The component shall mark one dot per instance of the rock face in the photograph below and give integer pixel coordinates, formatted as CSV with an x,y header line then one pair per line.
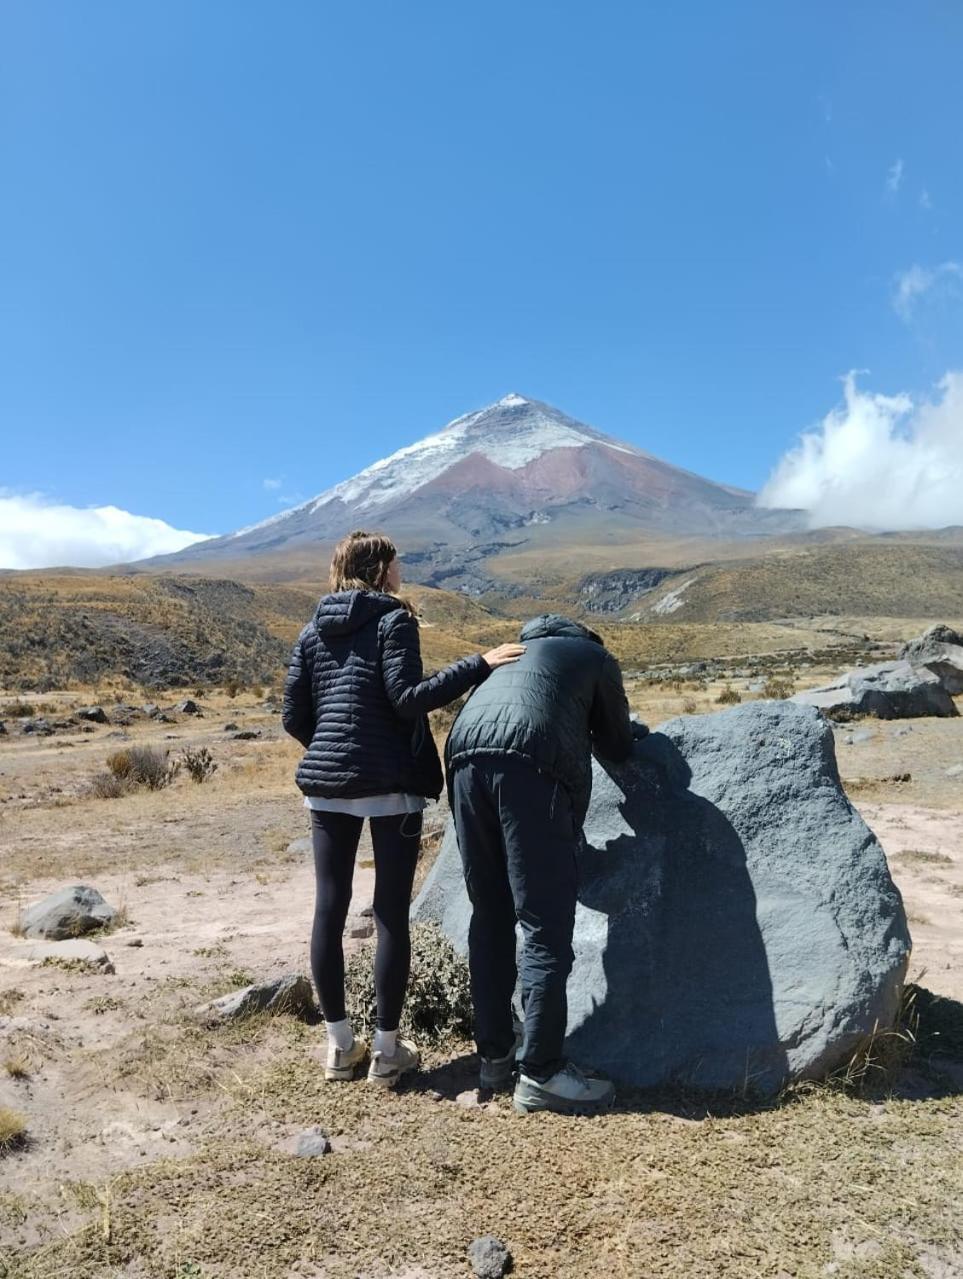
x,y
892,690
291,993
737,925
71,912
940,650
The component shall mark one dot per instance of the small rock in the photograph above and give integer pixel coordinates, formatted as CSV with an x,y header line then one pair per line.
x,y
188,707
955,771
93,714
360,928
903,731
489,1258
38,727
311,1143
83,953
71,912
291,993
248,735
136,941
302,845
150,709
862,735
230,728
164,717
468,1101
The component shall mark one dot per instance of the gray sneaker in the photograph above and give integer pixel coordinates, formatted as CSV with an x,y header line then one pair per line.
x,y
385,1071
496,1074
568,1092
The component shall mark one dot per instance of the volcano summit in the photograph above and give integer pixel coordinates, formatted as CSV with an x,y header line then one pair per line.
x,y
519,471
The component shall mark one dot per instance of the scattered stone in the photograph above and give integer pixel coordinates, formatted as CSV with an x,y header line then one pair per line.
x,y
248,735
291,993
904,730
188,707
737,925
93,714
955,771
70,912
38,727
360,928
81,953
230,728
489,1258
136,942
164,717
3,729
311,1143
302,845
892,690
151,710
940,651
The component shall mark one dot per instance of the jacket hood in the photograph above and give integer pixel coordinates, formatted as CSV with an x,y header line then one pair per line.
x,y
552,624
347,611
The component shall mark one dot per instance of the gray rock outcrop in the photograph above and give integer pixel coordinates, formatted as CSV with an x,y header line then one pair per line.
x,y
291,993
891,690
70,912
93,714
940,650
737,925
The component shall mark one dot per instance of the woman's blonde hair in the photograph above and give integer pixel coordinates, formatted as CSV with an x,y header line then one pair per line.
x,y
361,561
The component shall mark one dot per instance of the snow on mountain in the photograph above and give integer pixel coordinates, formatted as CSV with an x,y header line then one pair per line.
x,y
511,433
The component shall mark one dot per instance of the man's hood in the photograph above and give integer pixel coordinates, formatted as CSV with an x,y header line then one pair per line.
x,y
347,611
552,624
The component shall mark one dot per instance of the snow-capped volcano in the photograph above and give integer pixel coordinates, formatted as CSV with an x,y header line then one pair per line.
x,y
511,433
497,477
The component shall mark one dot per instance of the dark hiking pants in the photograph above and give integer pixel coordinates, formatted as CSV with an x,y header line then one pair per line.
x,y
518,843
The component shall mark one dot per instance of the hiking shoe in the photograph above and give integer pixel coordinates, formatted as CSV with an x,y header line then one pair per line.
x,y
569,1092
341,1063
497,1073
386,1071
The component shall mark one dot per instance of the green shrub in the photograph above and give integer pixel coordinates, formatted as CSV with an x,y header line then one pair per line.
x,y
438,1003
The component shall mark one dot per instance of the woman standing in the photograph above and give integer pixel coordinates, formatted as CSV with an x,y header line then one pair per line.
x,y
357,700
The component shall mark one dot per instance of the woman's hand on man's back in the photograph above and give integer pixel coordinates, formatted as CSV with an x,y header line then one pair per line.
x,y
504,655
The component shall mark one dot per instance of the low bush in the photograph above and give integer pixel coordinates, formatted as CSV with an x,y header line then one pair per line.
x,y
13,1130
142,766
438,1003
200,764
729,696
778,688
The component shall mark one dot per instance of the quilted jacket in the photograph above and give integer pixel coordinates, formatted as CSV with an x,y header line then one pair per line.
x,y
561,701
357,700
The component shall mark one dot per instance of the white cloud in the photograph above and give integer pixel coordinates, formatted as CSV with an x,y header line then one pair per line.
x,y
879,462
272,485
911,285
36,532
894,177
925,201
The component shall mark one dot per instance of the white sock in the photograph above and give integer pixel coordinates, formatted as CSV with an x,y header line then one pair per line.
x,y
340,1034
385,1041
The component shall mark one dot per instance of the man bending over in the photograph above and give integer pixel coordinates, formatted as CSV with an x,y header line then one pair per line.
x,y
519,780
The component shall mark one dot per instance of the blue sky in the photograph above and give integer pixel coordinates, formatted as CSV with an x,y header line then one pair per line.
x,y
243,242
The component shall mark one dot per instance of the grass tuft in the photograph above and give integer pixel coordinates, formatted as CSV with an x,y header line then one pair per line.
x,y
13,1130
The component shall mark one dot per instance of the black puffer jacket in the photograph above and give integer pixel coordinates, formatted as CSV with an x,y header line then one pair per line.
x,y
356,699
561,701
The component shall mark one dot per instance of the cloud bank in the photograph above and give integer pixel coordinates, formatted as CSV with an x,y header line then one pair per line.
x,y
878,462
36,532
911,285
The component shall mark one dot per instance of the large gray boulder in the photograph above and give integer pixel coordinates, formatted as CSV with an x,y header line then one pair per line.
x,y
70,912
891,690
940,650
737,925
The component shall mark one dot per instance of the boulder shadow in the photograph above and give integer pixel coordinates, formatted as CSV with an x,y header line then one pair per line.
x,y
687,996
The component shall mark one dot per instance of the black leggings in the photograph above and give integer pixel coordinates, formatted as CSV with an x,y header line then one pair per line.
x,y
396,842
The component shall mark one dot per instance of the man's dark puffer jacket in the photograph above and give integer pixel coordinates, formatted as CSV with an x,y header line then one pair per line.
x,y
560,702
356,699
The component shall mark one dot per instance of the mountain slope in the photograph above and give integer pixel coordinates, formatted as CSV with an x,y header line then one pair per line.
x,y
516,473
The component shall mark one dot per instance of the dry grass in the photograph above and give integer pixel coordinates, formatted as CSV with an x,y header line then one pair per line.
x,y
16,1066
920,857
13,1130
10,1000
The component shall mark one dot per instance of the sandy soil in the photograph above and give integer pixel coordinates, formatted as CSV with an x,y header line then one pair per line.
x,y
216,886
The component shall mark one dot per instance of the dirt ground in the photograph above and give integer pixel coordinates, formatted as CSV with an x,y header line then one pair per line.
x,y
157,1146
